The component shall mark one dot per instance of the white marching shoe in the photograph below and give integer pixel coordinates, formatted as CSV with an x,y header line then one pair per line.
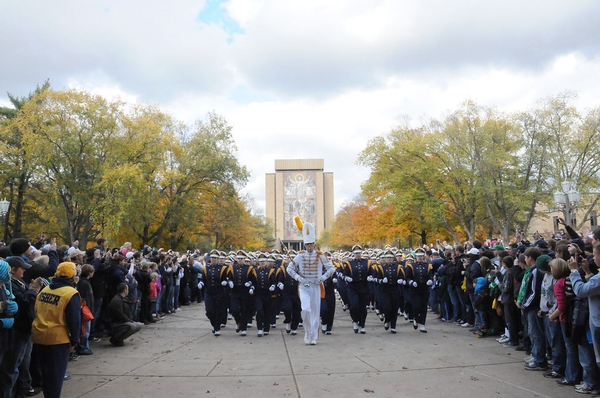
x,y
422,329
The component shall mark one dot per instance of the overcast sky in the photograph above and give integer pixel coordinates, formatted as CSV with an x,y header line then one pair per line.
x,y
306,79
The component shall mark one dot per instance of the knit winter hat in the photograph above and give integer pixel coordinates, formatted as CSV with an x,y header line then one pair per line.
x,y
4,272
19,246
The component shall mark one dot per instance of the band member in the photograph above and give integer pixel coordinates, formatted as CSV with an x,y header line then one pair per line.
x,y
307,268
389,276
406,306
419,276
328,302
356,274
213,278
291,301
242,278
265,286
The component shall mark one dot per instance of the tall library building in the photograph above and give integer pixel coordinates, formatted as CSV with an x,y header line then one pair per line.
x,y
299,187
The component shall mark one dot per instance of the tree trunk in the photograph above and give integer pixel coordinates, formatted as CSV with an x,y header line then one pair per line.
x,y
20,204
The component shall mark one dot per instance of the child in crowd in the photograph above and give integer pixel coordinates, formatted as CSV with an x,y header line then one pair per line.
x,y
153,293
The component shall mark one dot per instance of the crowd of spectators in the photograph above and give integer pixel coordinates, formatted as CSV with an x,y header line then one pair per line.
x,y
540,297
119,291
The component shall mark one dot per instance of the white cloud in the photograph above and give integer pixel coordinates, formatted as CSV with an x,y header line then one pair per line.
x,y
307,79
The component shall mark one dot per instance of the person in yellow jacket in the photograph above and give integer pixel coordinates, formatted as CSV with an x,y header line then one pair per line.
x,y
56,327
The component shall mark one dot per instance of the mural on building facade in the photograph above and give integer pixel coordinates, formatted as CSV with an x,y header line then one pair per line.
x,y
299,200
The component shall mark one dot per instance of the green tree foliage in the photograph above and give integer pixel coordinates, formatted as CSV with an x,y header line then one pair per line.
x,y
480,171
111,169
15,170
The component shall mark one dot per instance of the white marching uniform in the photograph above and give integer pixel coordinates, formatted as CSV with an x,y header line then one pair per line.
x,y
307,269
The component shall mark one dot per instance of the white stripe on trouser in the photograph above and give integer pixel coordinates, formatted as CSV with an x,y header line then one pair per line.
x,y
310,299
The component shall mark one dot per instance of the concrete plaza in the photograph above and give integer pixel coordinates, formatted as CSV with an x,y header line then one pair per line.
x,y
179,357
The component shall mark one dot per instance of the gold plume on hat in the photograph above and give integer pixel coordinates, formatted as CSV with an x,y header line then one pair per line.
x,y
298,222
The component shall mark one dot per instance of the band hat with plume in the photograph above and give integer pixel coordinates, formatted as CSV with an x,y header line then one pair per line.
x,y
308,230
357,249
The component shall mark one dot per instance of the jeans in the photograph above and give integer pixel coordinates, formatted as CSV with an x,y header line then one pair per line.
x,y
469,310
456,304
481,319
536,334
158,302
526,339
572,368
135,310
97,310
84,342
555,338
587,359
434,298
170,295
176,296
445,310
9,371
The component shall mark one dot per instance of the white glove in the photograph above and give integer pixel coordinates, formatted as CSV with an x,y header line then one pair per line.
x,y
224,283
384,280
231,284
400,282
404,282
280,286
429,282
348,279
370,278
248,284
272,288
414,284
251,291
200,285
301,280
334,280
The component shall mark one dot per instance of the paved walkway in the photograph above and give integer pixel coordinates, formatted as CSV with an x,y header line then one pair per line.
x,y
179,357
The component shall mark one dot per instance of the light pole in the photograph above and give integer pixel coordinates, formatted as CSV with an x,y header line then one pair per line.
x,y
567,200
4,205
